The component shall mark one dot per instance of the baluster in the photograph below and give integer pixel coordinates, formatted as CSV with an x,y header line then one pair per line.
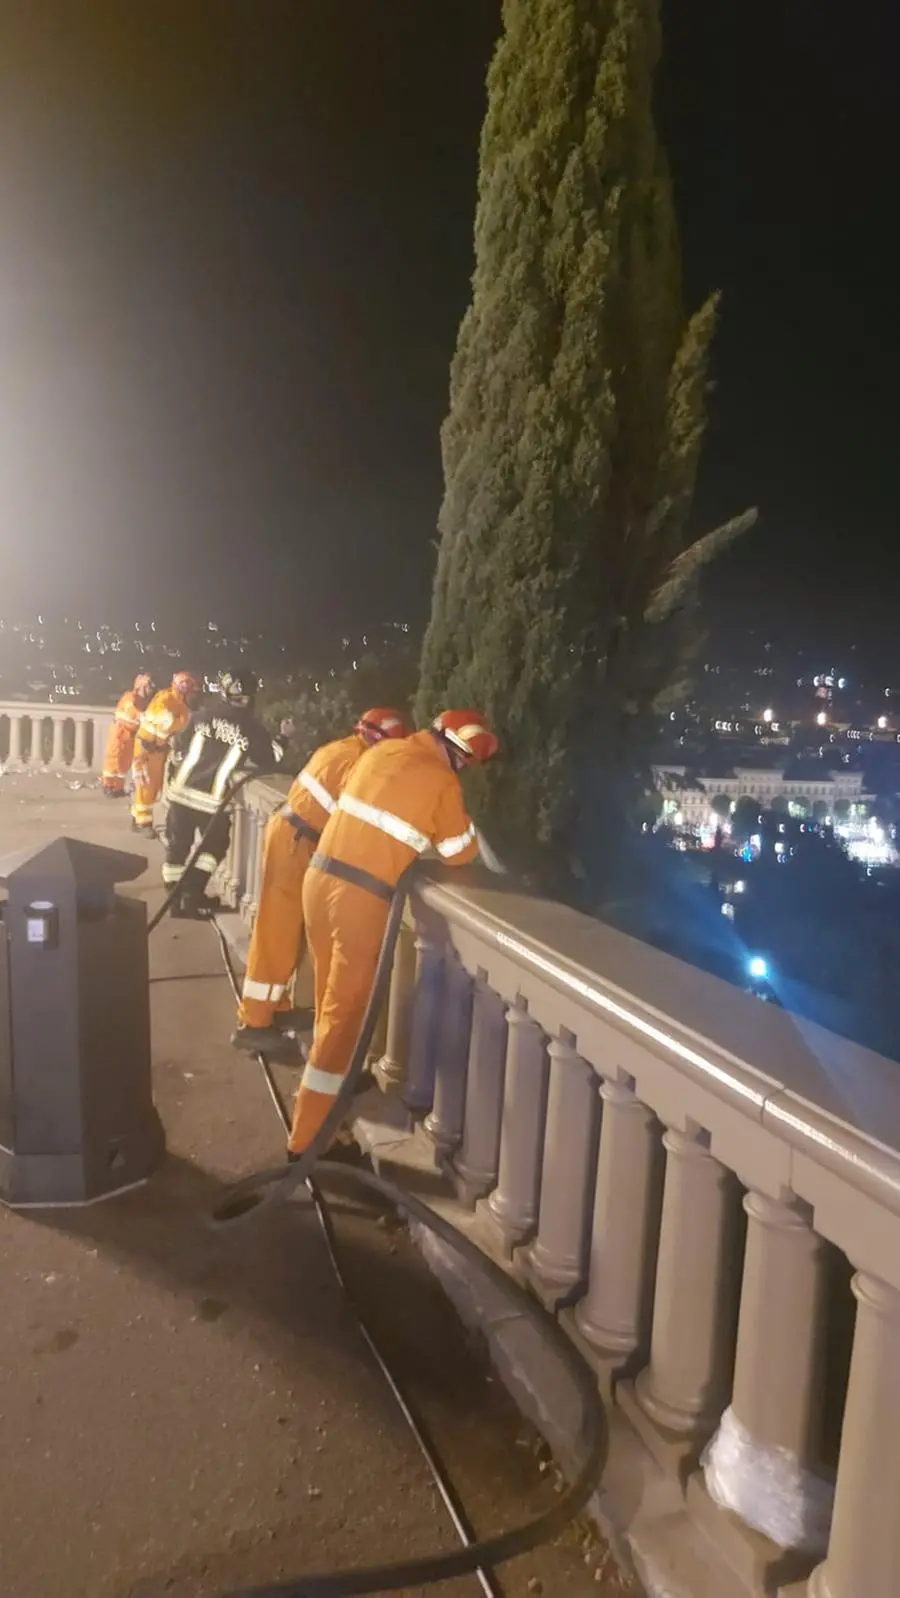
x,y
475,1167
36,752
445,1123
100,729
512,1209
612,1317
390,1070
418,1090
58,755
685,1386
227,868
237,852
80,763
253,862
14,760
762,1460
863,1559
557,1257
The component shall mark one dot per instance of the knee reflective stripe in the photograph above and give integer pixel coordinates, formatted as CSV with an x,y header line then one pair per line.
x,y
268,992
172,874
207,863
325,1082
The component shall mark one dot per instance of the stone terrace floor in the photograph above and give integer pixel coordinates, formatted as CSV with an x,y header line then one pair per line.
x,y
185,1413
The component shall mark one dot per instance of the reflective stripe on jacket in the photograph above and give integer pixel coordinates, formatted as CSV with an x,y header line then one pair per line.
x,y
315,793
126,712
165,716
400,800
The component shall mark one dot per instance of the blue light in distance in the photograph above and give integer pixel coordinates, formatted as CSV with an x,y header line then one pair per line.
x,y
758,967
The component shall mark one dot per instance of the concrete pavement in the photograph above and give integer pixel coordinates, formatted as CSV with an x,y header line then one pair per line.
x,y
185,1412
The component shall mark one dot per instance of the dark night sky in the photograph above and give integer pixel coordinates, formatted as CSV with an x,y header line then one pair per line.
x,y
235,243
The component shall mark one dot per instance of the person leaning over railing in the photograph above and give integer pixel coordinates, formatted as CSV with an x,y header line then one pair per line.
x,y
265,1012
402,799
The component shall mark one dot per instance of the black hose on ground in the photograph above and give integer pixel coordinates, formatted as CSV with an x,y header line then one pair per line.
x,y
256,1193
506,1545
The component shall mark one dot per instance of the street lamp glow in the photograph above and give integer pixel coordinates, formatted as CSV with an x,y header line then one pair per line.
x,y
822,719
768,714
882,723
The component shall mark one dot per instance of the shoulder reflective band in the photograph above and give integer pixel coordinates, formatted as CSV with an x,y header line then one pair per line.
x,y
449,847
317,789
223,775
385,821
189,762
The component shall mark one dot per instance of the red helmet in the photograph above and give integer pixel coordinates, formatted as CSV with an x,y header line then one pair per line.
x,y
187,684
382,722
143,685
468,732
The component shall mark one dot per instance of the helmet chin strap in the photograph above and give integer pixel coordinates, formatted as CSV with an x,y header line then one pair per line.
x,y
456,758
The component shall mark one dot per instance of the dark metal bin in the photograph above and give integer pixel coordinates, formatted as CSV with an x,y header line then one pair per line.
x,y
77,1118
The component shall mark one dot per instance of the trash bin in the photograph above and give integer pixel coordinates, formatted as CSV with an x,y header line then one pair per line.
x,y
77,1118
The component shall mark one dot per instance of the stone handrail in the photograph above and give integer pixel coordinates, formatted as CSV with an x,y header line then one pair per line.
x,y
74,740
704,1187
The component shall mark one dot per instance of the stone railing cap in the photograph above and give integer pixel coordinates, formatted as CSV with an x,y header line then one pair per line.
x,y
782,1053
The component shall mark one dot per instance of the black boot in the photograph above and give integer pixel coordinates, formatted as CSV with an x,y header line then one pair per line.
x,y
266,1040
299,1020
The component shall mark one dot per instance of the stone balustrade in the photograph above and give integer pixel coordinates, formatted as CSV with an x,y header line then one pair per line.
x,y
53,737
691,1179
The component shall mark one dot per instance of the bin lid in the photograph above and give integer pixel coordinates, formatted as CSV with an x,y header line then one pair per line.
x,y
71,862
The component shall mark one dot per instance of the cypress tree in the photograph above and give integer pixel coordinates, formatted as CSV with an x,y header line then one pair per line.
x,y
565,570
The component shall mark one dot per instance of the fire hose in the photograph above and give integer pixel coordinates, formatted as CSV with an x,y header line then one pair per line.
x,y
250,1197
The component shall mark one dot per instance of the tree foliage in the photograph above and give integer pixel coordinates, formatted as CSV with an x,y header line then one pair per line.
x,y
328,709
566,573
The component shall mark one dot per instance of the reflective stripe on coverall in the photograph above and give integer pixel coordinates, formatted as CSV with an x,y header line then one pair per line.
x,y
276,944
401,799
166,715
120,744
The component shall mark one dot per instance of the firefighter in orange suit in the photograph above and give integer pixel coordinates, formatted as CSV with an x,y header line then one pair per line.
x,y
120,743
292,834
400,800
167,714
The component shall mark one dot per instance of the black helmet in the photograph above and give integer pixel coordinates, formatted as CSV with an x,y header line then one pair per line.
x,y
238,687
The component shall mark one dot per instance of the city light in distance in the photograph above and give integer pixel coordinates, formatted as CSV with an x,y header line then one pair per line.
x,y
768,714
758,967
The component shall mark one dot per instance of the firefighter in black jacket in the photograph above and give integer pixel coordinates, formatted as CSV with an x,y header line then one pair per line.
x,y
222,741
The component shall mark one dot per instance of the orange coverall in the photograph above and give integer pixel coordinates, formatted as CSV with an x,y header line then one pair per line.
x,y
401,799
120,744
166,715
291,836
